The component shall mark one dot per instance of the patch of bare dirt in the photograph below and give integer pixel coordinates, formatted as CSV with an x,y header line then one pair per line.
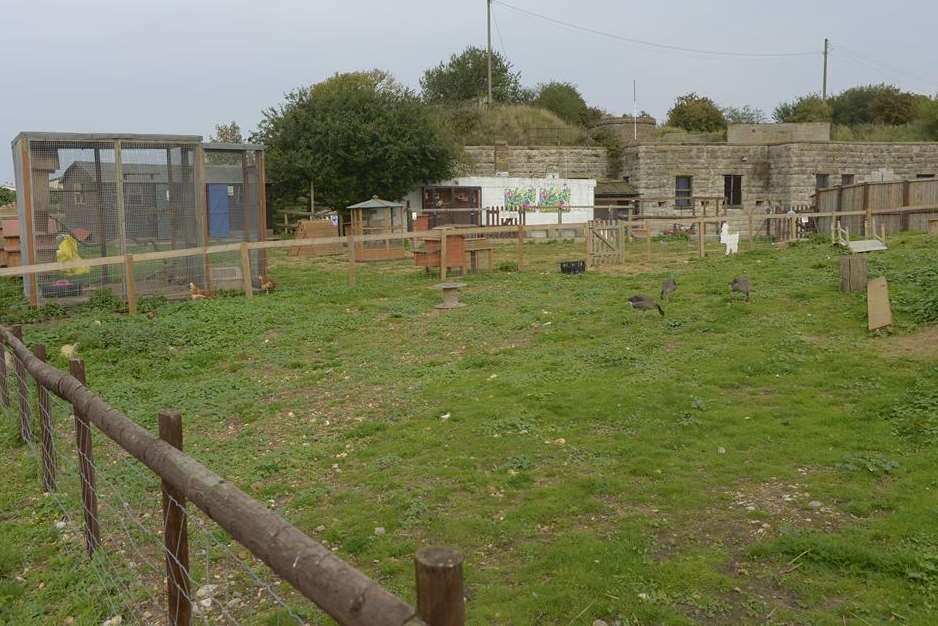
x,y
923,344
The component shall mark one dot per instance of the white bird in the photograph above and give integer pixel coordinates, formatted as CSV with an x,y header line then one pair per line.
x,y
69,351
730,241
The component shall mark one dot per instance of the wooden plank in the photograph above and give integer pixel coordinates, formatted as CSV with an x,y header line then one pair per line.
x,y
700,238
347,595
89,493
201,211
175,532
119,198
4,377
444,261
131,284
246,277
30,234
877,299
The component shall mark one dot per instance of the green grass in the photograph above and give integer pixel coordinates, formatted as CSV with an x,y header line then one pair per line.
x,y
594,463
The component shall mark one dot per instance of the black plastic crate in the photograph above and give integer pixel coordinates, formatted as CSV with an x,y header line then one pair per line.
x,y
572,267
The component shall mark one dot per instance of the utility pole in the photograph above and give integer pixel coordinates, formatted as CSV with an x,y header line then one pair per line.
x,y
824,84
634,110
488,17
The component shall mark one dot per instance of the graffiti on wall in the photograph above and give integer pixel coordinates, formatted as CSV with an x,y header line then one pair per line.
x,y
543,198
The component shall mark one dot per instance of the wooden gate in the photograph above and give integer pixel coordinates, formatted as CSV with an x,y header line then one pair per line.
x,y
605,242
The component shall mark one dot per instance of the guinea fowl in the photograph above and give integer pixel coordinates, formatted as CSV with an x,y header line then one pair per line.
x,y
668,287
741,285
644,303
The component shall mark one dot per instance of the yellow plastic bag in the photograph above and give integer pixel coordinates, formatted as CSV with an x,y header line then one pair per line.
x,y
68,251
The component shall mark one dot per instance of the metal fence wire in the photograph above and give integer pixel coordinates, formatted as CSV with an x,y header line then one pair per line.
x,y
223,582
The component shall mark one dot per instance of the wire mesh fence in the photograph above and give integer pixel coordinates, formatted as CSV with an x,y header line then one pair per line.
x,y
111,518
92,196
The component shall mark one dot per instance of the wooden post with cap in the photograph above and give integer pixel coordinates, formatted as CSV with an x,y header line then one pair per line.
x,y
89,493
440,596
47,448
175,531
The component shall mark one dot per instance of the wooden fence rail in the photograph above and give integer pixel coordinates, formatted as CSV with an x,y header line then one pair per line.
x,y
343,592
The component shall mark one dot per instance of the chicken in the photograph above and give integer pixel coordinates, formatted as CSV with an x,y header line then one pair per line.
x,y
196,293
69,351
741,284
668,287
644,303
267,283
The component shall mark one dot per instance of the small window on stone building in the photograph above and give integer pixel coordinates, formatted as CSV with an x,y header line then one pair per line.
x,y
822,181
683,191
626,179
924,176
733,190
847,179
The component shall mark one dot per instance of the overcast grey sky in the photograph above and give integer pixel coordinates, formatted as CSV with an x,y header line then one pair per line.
x,y
180,66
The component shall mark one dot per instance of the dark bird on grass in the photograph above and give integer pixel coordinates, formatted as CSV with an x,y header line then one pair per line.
x,y
741,284
644,303
668,287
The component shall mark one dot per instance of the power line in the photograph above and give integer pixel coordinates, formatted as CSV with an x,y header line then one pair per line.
x,y
498,31
652,44
884,66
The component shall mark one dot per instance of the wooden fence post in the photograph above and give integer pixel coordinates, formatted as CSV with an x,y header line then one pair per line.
x,y
588,232
23,391
648,241
175,532
868,208
520,246
131,284
700,238
443,261
47,447
352,278
4,380
89,494
246,278
749,217
621,241
440,600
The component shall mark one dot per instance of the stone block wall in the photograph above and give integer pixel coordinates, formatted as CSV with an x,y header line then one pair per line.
x,y
794,166
538,161
652,169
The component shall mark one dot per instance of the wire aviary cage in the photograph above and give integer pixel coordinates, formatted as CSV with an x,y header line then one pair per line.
x,y
84,196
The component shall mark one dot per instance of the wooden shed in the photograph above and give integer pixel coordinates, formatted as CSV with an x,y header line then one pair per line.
x,y
375,217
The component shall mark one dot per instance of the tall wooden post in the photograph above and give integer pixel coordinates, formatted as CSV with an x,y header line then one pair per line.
x,y
648,242
868,207
201,211
26,433
89,494
792,228
246,277
47,448
352,269
749,218
588,231
131,284
443,259
440,599
27,232
4,376
620,232
175,531
520,247
628,217
700,238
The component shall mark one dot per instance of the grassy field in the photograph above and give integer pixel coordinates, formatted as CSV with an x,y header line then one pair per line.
x,y
728,463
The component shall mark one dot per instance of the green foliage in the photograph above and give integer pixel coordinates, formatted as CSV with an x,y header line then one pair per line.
x,y
811,108
356,135
519,125
7,196
105,300
878,132
696,113
507,266
915,416
745,114
465,77
227,133
872,104
926,115
566,102
870,462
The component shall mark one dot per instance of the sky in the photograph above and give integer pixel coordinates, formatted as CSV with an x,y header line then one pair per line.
x,y
181,66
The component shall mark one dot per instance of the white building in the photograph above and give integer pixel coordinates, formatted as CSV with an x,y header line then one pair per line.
x,y
540,197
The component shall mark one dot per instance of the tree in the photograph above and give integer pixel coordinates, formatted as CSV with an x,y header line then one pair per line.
x,y
811,108
7,196
465,77
564,101
926,116
355,135
227,133
873,104
696,113
743,115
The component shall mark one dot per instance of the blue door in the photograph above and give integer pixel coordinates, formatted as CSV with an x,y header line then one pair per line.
x,y
218,211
